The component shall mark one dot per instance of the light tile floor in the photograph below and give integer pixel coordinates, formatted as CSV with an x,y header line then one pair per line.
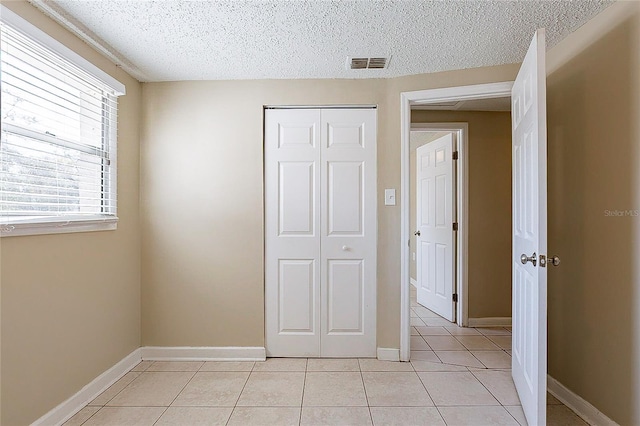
x,y
457,376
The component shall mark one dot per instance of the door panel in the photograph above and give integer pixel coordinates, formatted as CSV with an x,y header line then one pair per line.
x,y
344,298
296,182
441,200
529,357
348,188
440,269
292,135
292,224
435,244
345,135
296,284
345,198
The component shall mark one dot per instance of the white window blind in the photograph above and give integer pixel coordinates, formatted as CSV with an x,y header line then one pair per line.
x,y
58,143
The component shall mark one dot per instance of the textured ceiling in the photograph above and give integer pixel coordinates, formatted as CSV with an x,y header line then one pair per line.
x,y
240,39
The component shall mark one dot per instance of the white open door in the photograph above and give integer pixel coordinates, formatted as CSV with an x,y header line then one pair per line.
x,y
529,117
435,235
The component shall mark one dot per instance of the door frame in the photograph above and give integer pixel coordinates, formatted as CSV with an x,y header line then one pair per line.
x,y
407,99
461,239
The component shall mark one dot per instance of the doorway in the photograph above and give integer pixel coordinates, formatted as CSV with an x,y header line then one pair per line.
x,y
434,201
448,98
529,217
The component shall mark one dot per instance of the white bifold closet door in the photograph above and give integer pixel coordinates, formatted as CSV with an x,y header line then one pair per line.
x,y
320,232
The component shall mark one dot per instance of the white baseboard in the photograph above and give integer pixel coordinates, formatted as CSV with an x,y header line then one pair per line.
x,y
490,322
582,408
388,354
230,353
71,406
414,283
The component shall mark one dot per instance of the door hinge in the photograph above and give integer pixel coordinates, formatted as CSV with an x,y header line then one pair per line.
x,y
455,155
455,297
455,226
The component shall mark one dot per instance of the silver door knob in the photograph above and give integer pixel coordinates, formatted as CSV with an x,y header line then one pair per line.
x,y
345,248
533,259
417,233
554,260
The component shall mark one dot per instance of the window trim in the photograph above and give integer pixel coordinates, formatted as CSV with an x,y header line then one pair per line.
x,y
57,225
11,18
66,224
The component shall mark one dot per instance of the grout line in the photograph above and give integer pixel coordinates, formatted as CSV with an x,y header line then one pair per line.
x,y
488,390
88,418
182,406
514,417
304,385
470,405
119,392
158,419
178,394
423,385
174,399
478,359
366,396
463,345
441,416
471,349
146,368
241,391
428,345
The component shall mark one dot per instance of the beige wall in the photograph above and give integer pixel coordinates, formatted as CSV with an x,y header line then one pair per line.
x,y
594,165
71,302
201,193
489,158
202,204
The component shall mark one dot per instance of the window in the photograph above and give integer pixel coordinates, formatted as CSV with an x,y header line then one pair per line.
x,y
58,139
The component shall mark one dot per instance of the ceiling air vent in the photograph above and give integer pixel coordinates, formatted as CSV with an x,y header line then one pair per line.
x,y
361,63
377,63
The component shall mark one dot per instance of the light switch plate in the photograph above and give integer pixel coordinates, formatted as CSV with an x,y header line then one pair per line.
x,y
389,197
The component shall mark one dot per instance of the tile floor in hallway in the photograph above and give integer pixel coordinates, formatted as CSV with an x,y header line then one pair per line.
x,y
457,376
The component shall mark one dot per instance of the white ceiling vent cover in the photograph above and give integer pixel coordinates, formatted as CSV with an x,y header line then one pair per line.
x,y
358,63
365,62
377,63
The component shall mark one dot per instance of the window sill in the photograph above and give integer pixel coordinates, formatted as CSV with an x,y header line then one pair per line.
x,y
57,226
